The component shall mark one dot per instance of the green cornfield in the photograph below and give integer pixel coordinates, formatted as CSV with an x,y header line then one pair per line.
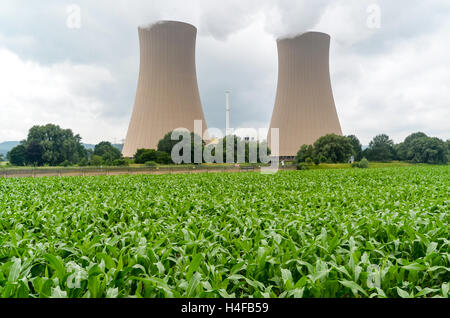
x,y
317,233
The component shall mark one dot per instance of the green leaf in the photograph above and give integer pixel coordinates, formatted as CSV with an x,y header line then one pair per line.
x,y
161,268
56,264
353,286
286,275
93,286
95,270
58,293
46,289
9,290
14,270
415,267
194,282
402,293
445,290
238,267
158,282
426,291
296,293
301,282
432,248
112,293
109,262
193,266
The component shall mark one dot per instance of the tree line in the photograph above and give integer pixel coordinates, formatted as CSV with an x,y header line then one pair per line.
x,y
50,145
229,144
416,148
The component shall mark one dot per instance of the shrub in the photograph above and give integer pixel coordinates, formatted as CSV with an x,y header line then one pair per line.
x,y
96,161
302,166
304,152
308,161
334,148
364,163
163,158
65,163
419,148
83,162
17,155
151,164
120,162
144,155
108,152
381,148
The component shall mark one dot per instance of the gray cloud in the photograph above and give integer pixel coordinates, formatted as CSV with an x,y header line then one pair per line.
x,y
378,75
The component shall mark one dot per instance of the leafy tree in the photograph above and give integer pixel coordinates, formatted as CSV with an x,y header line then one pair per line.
x,y
381,148
144,155
120,162
419,148
403,149
316,161
448,149
163,158
52,145
302,166
333,148
89,154
83,162
306,151
1,157
151,164
17,155
65,163
357,147
34,152
108,152
96,161
433,149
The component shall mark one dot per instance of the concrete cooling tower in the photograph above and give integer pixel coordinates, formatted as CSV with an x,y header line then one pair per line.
x,y
304,107
167,94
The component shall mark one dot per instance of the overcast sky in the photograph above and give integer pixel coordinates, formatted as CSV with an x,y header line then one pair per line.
x,y
389,75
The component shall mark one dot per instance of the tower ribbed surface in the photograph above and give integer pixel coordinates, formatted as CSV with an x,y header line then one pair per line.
x,y
304,107
167,95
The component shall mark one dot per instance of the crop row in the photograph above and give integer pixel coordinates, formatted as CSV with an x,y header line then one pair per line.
x,y
319,233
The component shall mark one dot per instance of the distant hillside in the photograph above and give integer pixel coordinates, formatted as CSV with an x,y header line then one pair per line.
x,y
6,146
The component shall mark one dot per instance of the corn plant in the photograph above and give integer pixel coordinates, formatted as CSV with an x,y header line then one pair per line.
x,y
316,233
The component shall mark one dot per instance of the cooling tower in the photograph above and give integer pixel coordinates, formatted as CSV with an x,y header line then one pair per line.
x,y
167,94
304,106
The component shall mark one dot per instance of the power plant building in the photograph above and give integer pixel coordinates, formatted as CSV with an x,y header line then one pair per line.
x,y
167,95
304,107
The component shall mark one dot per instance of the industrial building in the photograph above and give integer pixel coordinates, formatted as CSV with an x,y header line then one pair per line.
x,y
167,95
304,107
